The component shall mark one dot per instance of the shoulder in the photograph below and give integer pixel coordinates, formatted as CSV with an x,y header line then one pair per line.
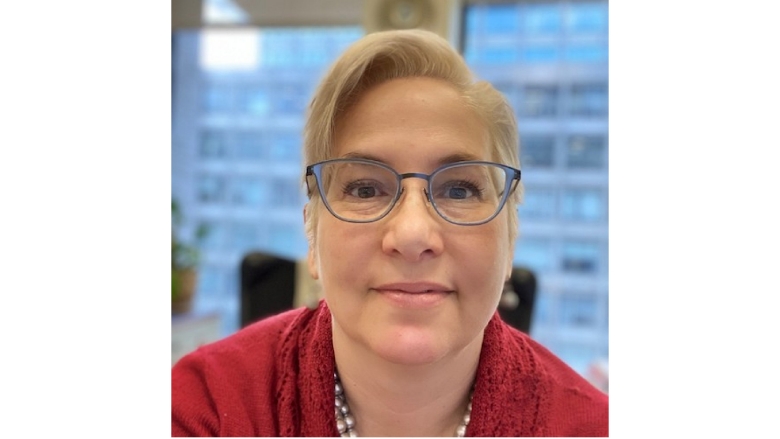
x,y
221,383
244,345
576,407
568,405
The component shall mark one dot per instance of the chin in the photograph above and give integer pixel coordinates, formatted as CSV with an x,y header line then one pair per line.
x,y
412,346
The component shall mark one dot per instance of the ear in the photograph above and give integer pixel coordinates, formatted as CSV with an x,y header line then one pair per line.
x,y
311,254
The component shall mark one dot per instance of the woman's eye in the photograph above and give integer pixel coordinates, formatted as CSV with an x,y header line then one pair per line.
x,y
364,192
458,193
460,190
362,189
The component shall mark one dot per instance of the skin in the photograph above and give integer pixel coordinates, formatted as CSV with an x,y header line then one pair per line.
x,y
391,340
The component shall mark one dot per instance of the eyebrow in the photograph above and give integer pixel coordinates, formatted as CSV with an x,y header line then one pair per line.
x,y
452,158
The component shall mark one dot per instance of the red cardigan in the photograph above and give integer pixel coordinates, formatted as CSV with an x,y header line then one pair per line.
x,y
275,378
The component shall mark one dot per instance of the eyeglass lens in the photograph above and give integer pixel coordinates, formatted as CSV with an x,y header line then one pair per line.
x,y
358,191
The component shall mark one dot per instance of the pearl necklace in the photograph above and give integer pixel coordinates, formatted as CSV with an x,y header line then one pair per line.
x,y
346,422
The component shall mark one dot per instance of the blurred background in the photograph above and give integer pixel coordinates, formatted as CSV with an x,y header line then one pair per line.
x,y
243,72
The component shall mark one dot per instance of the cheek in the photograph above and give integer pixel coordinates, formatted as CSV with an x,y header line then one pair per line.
x,y
341,251
485,258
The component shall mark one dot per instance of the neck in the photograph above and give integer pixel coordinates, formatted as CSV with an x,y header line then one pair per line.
x,y
391,399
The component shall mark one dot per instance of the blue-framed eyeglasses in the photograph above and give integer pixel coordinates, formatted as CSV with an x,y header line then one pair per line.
x,y
466,193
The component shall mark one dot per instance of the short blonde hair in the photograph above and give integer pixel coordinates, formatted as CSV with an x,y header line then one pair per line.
x,y
382,56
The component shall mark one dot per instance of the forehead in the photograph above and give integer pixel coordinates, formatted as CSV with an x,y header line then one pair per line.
x,y
411,123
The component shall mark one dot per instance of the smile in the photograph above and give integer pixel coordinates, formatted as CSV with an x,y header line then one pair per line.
x,y
414,287
414,295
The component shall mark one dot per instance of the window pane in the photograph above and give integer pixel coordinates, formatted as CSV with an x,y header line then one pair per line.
x,y
289,100
539,101
534,253
587,17
285,192
540,53
538,204
285,146
249,146
502,19
210,280
213,145
587,52
541,19
215,238
249,191
217,99
577,311
588,100
537,150
580,256
244,237
254,101
583,205
586,152
211,189
544,309
284,237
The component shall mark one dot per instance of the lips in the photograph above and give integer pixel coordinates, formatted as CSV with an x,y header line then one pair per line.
x,y
414,287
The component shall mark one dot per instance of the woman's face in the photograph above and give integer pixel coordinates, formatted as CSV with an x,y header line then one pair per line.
x,y
411,287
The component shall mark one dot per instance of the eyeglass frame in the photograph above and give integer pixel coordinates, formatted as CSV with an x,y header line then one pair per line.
x,y
512,176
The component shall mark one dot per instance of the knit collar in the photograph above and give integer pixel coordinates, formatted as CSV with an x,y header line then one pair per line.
x,y
508,375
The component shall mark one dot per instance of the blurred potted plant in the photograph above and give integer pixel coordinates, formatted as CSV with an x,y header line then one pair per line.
x,y
185,257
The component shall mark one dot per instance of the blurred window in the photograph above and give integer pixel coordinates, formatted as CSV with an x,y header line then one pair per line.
x,y
213,144
250,191
586,52
539,101
541,18
538,204
215,238
534,253
211,189
588,100
586,152
578,311
217,99
254,101
244,237
586,17
583,205
537,151
580,256
249,146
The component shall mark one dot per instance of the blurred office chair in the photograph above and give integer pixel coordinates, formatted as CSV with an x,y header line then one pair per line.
x,y
516,306
268,286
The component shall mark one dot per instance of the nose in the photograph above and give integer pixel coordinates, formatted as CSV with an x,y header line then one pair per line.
x,y
413,228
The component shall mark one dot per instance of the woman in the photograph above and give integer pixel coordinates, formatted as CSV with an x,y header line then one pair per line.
x,y
413,178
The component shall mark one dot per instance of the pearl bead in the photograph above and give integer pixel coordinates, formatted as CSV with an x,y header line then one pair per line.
x,y
346,423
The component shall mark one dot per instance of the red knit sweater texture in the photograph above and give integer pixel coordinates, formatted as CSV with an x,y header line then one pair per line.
x,y
275,378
